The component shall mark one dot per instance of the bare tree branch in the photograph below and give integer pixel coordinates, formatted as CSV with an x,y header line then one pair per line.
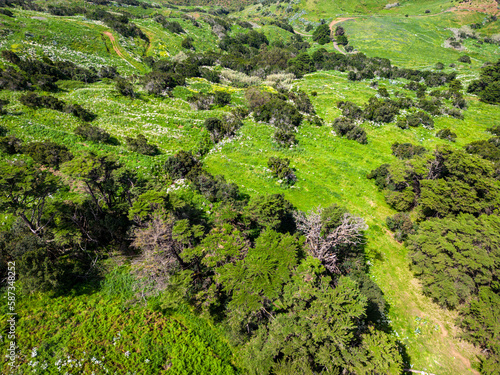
x,y
324,246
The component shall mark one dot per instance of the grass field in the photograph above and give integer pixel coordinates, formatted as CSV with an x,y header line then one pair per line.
x,y
89,332
329,169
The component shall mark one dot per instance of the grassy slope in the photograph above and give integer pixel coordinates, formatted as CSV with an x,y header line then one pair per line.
x,y
329,169
108,331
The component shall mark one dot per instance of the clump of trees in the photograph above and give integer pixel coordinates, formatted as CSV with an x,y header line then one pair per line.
x,y
33,100
487,87
42,73
445,186
322,34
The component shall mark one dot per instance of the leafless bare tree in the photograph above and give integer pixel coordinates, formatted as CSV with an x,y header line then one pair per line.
x,y
324,245
160,252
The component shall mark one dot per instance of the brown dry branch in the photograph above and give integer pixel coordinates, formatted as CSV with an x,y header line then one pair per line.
x,y
325,245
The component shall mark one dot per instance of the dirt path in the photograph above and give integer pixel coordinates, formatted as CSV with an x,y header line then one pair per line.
x,y
454,352
115,47
332,24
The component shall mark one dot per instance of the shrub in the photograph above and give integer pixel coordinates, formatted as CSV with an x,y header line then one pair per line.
x,y
285,137
10,145
278,113
2,104
92,133
495,130
49,153
406,150
380,110
141,145
210,75
322,34
446,134
125,88
216,189
416,119
383,92
187,43
465,59
401,225
80,112
401,200
281,170
342,40
182,165
486,149
159,82
200,101
222,98
346,128
222,128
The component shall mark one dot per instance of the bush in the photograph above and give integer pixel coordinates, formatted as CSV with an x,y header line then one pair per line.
x,y
416,119
439,66
222,98
495,130
446,134
182,165
342,40
80,112
200,101
281,170
92,133
346,128
222,128
10,145
278,113
383,92
159,82
406,150
125,88
401,225
141,145
216,189
322,34
187,43
2,104
285,137
49,153
401,200
210,75
465,59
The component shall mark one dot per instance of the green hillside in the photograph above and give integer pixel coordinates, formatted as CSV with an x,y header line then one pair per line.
x,y
183,251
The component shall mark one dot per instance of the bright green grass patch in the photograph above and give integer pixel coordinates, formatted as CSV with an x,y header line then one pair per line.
x,y
325,9
413,42
109,331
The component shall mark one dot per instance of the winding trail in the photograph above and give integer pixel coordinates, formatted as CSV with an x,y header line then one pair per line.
x,y
332,24
115,47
